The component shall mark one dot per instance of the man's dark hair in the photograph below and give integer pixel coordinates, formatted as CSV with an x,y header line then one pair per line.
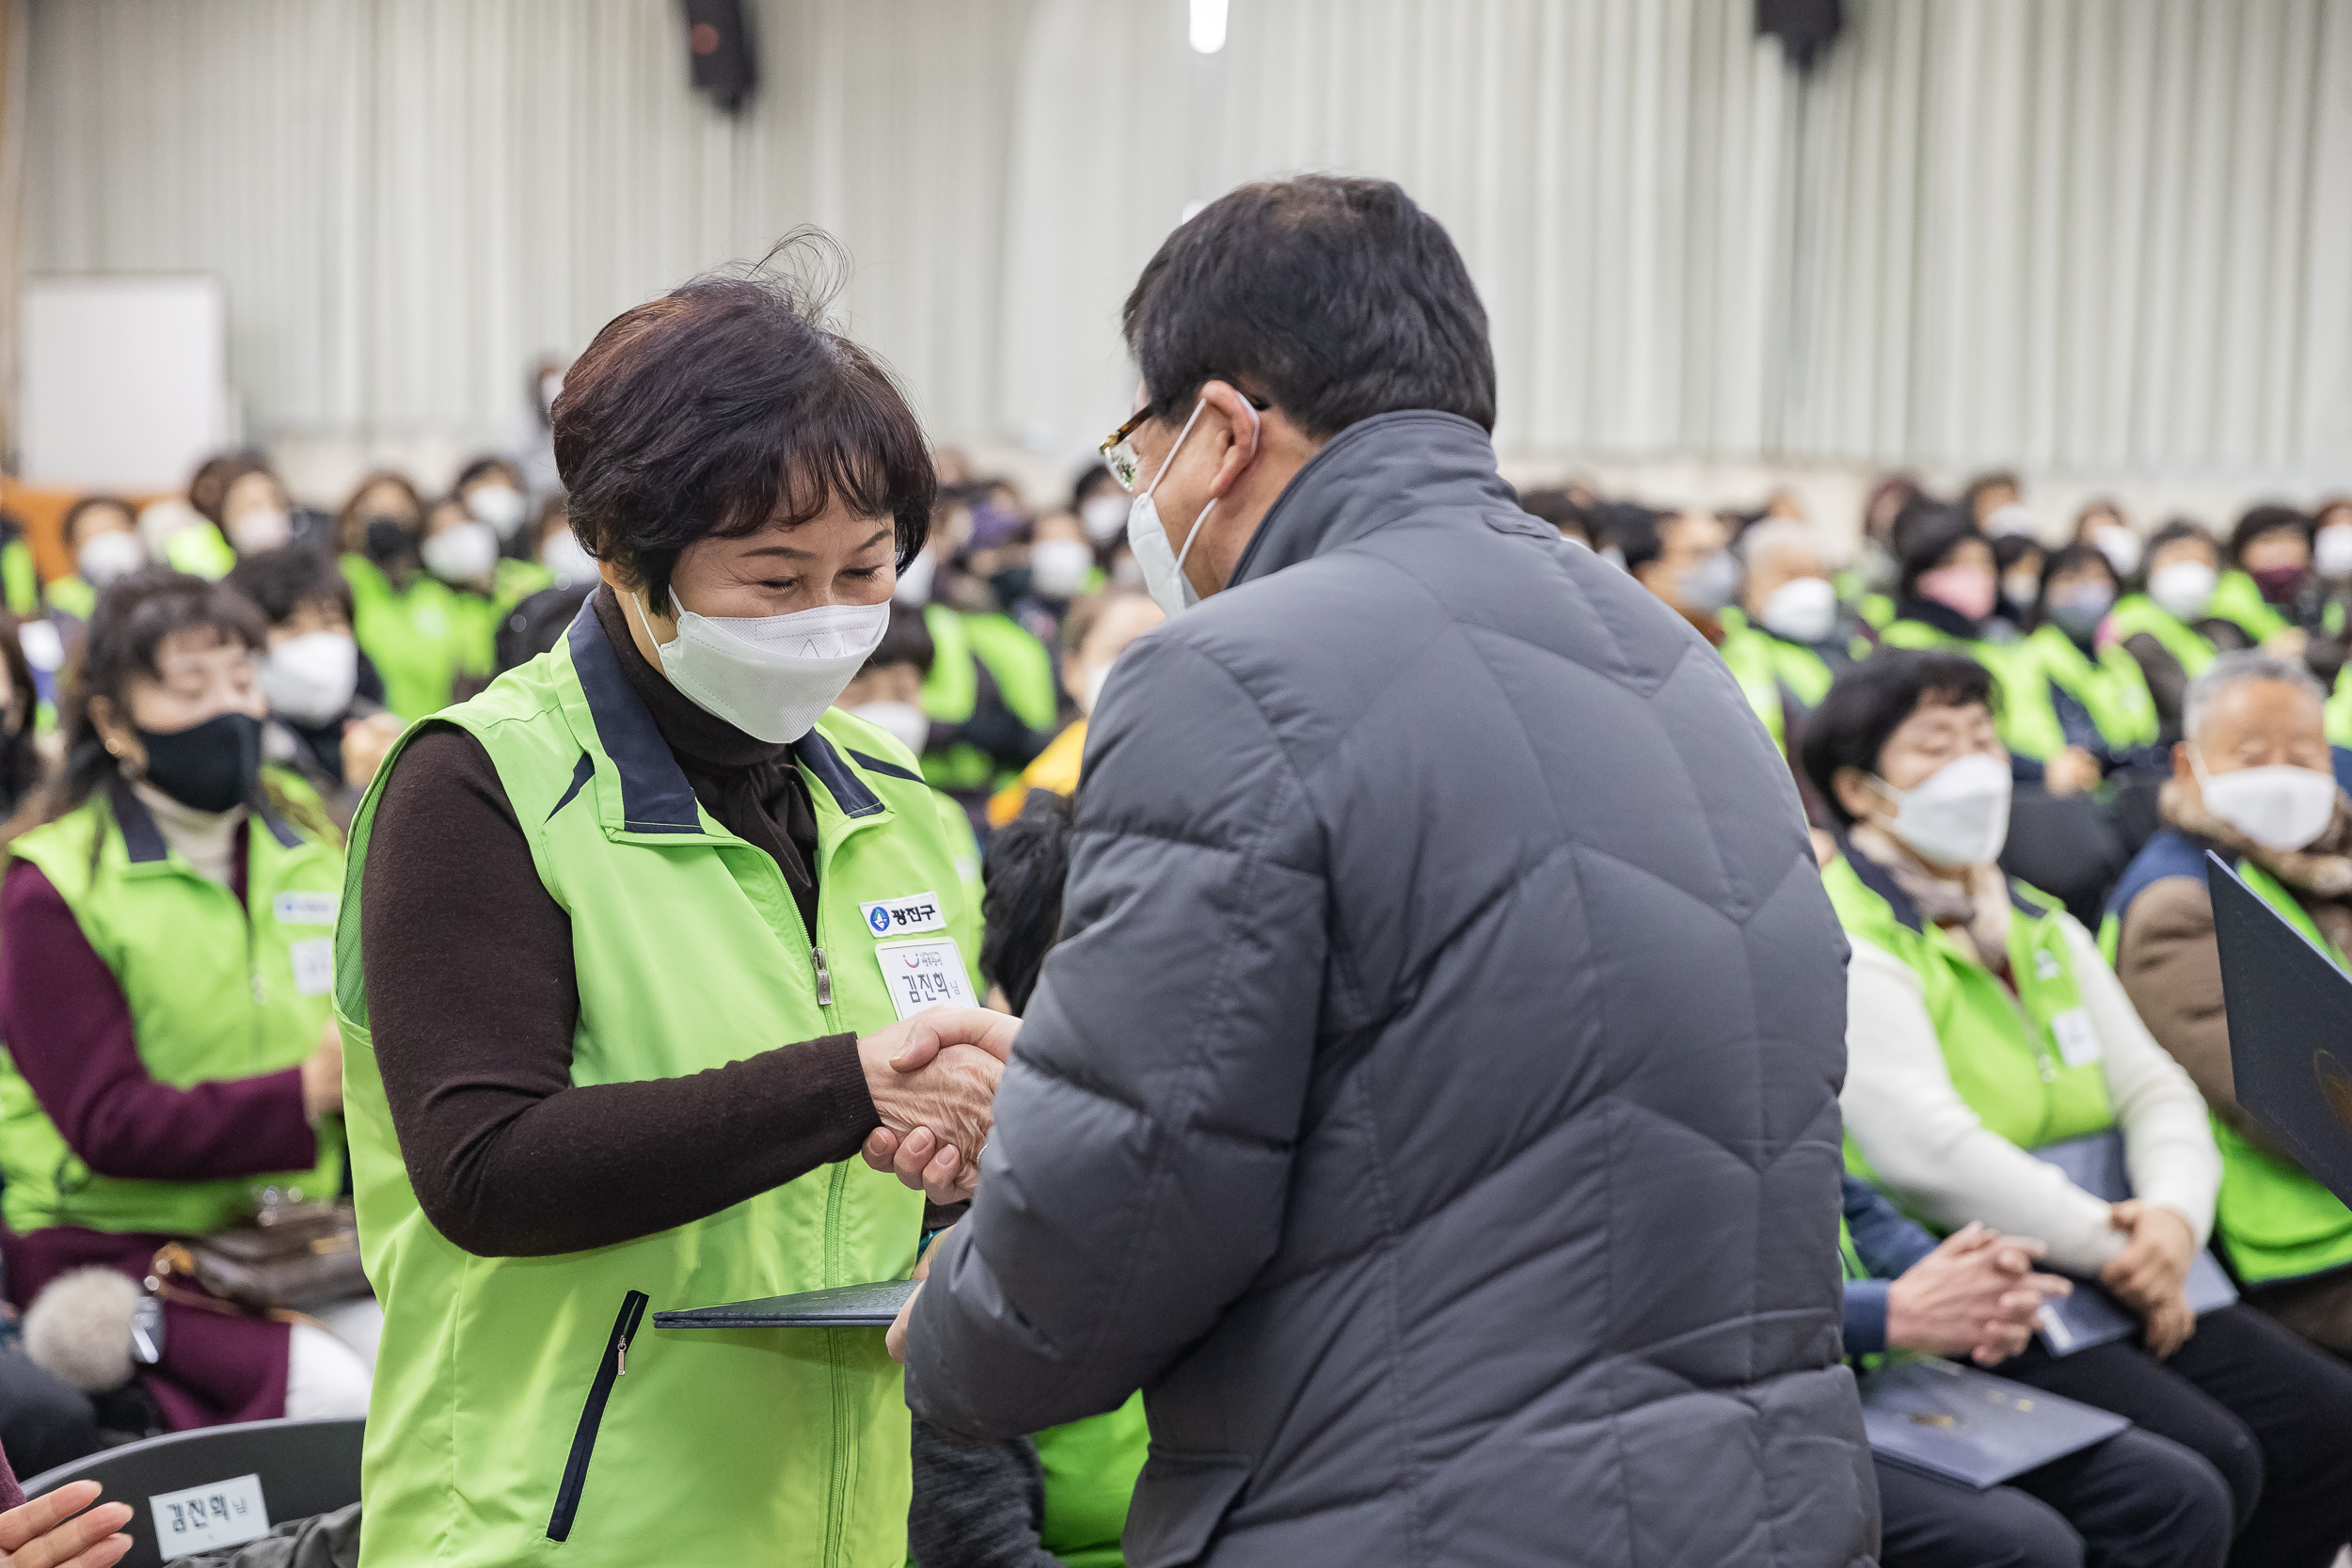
x,y
906,640
725,405
282,581
1868,702
1028,858
2268,518
1333,299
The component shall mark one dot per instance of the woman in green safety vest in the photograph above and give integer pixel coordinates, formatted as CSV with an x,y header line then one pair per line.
x,y
2068,689
430,640
103,535
2168,628
2252,782
167,942
1983,1026
2271,592
649,944
1788,641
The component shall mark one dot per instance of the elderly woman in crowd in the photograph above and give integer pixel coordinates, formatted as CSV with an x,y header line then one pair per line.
x,y
2252,782
1983,1026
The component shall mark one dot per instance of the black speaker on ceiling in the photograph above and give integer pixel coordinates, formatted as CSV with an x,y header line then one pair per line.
x,y
718,50
1804,27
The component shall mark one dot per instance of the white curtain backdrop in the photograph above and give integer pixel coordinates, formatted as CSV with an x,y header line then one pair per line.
x,y
2077,235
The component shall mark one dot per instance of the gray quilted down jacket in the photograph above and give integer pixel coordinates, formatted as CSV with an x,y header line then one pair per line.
x,y
1433,1102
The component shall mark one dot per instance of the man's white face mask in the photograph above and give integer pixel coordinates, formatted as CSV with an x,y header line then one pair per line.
x,y
2278,808
1163,568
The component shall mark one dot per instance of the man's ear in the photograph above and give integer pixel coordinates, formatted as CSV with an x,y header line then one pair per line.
x,y
1242,427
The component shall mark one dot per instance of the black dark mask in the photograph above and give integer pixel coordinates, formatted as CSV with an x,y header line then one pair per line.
x,y
211,766
388,539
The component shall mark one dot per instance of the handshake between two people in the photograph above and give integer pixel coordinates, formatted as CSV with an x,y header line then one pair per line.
x,y
933,1078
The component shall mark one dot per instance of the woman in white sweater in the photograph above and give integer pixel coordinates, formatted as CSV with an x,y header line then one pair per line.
x,y
1983,1026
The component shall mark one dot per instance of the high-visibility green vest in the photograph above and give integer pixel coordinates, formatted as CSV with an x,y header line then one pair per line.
x,y
421,636
961,643
2239,599
72,596
217,991
501,1418
2339,709
20,578
2113,690
1920,636
2135,613
2004,1051
1767,667
1090,1468
201,550
2275,1222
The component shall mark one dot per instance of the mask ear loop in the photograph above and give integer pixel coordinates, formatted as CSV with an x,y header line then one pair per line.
x,y
1194,533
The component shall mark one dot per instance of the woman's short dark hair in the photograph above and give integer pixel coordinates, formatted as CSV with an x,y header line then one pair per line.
x,y
137,614
2268,518
1926,535
209,488
88,504
1028,859
1335,299
2184,527
727,404
488,464
282,581
1554,505
2071,558
2010,548
1868,702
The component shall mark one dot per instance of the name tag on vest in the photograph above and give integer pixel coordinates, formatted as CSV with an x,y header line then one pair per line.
x,y
2077,1038
899,917
923,974
306,909
314,966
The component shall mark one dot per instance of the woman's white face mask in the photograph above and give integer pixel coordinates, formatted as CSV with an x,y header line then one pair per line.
x,y
768,675
1957,816
2278,808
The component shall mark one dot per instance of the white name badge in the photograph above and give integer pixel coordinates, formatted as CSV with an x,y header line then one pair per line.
x,y
923,974
206,1518
306,909
2077,1039
314,966
899,917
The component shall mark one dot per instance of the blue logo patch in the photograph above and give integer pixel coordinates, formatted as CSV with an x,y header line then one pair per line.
x,y
879,918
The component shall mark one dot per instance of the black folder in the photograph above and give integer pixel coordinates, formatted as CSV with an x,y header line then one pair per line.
x,y
2290,1011
2091,1316
873,1306
1966,1426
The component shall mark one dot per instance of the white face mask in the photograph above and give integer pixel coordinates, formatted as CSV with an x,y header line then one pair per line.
x,y
2119,545
1958,816
568,558
915,579
2278,808
1802,609
104,557
2332,550
1104,516
1059,568
262,528
1164,568
462,552
770,675
2182,589
2007,520
905,724
309,678
502,506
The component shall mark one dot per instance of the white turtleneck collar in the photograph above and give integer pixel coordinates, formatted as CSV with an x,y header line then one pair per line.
x,y
207,840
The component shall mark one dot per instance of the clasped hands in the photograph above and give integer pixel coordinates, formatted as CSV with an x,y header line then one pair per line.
x,y
933,1078
2151,1274
1977,1295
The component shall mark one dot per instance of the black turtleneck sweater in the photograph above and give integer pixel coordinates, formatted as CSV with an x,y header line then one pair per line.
x,y
472,1000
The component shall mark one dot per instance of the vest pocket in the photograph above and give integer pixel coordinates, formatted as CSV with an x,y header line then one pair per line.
x,y
609,1368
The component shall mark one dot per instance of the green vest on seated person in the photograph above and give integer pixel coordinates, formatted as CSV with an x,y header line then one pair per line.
x,y
2272,1219
2113,691
217,989
961,644
2136,613
2008,1056
420,636
753,1446
2239,599
1091,1468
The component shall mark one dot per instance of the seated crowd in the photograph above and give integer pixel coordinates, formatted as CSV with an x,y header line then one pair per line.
x,y
2012,753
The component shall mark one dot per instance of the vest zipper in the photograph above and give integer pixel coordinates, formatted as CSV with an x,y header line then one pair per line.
x,y
824,977
614,1365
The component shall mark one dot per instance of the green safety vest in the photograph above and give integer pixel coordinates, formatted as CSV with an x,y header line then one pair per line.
x,y
2003,1051
420,638
2339,709
200,550
2114,692
500,1418
1016,661
1770,669
2239,599
72,596
1920,636
20,578
2274,1220
216,990
1090,1468
2135,613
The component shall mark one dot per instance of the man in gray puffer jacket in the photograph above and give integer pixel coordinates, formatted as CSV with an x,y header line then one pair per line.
x,y
1432,1103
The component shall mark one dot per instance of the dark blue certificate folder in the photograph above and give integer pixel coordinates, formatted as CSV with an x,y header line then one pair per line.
x,y
2091,1316
1968,1426
843,1307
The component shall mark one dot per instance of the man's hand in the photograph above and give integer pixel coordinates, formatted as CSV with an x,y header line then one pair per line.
x,y
895,1338
46,1534
933,1078
2149,1272
1975,1295
2072,772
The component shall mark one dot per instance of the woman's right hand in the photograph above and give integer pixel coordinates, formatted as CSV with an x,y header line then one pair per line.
x,y
47,1533
933,1080
323,1075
